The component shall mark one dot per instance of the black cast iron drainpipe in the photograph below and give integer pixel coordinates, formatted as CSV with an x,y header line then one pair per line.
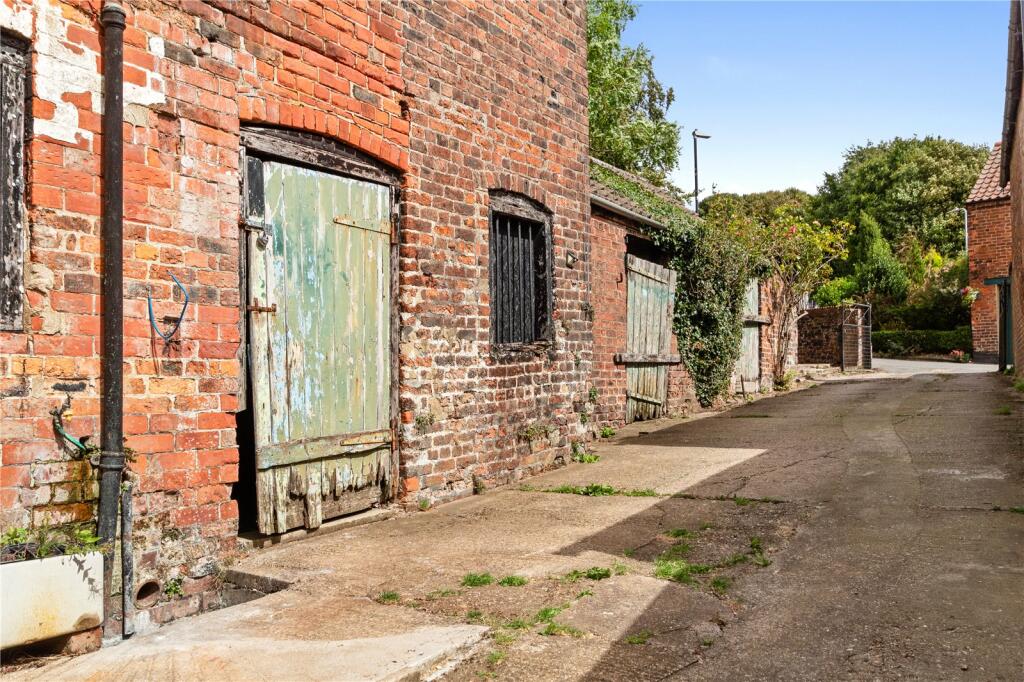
x,y
112,459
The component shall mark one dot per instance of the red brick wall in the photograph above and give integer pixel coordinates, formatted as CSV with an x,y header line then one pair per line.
x,y
498,97
1017,285
989,253
608,276
194,72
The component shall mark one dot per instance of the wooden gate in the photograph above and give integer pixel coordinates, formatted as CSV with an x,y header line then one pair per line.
x,y
747,374
650,292
319,301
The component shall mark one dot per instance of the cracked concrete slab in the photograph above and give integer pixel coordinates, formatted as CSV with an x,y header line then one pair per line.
x,y
845,531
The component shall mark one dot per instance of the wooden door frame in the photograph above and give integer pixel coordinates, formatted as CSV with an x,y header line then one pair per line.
x,y
320,153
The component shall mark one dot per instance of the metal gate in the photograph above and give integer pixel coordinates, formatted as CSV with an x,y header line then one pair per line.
x,y
319,314
650,292
855,336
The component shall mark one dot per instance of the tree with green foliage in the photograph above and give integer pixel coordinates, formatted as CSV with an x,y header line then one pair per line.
x,y
879,275
628,104
758,205
794,256
910,187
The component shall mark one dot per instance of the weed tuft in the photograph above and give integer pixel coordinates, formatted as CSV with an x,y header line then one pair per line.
x,y
513,581
592,573
474,616
516,624
720,584
607,432
679,533
388,597
548,613
440,594
477,579
558,630
1004,410
639,637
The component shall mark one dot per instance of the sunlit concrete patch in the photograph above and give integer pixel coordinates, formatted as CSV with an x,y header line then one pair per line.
x,y
417,654
970,474
664,469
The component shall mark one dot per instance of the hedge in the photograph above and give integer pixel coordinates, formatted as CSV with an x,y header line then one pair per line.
x,y
914,341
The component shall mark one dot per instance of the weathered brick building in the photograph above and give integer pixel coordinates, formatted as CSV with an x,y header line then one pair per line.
x,y
1012,172
988,254
632,296
408,228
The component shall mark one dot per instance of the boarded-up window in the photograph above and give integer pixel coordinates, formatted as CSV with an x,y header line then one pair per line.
x,y
13,78
520,272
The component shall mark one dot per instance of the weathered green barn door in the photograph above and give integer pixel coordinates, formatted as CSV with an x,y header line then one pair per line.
x,y
319,301
650,296
747,374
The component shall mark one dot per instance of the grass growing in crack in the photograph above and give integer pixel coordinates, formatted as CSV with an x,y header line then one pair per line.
x,y
676,551
592,573
548,613
620,569
516,624
741,501
757,552
504,638
477,579
388,597
1004,410
475,616
1019,385
513,581
679,533
1017,510
558,630
495,657
720,584
594,490
585,593
678,570
735,559
639,637
440,594
628,553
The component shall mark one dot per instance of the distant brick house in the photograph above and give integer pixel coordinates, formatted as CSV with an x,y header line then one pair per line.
x,y
1011,173
386,198
988,254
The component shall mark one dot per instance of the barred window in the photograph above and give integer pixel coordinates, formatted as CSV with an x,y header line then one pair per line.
x,y
13,79
520,272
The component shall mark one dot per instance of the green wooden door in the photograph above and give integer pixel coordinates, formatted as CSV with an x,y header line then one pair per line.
x,y
747,375
320,293
650,295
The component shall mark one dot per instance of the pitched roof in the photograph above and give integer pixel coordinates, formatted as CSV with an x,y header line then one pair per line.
x,y
987,187
611,199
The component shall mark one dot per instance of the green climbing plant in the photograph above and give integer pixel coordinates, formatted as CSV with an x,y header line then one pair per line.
x,y
713,266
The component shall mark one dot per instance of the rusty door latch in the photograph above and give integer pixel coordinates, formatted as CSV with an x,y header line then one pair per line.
x,y
257,308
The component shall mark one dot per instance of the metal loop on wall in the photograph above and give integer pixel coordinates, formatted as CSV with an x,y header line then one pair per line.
x,y
177,323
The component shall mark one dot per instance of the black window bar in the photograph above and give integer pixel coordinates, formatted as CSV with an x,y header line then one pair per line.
x,y
519,280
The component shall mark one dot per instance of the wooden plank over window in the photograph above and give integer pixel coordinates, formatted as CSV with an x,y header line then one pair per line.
x,y
13,78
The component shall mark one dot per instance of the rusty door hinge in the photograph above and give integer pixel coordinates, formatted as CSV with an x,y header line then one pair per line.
x,y
257,308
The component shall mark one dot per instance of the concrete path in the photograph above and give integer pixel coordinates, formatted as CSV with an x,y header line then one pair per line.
x,y
909,367
860,530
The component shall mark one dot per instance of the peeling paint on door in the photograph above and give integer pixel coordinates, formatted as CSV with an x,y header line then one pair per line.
x,y
320,295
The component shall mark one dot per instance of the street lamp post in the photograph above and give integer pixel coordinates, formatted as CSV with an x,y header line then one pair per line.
x,y
696,185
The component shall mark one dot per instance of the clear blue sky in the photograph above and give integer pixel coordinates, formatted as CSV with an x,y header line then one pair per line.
x,y
785,88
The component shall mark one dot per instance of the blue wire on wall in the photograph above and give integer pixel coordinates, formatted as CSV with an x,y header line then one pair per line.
x,y
177,324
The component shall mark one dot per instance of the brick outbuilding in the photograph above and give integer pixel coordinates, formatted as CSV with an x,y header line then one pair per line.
x,y
386,198
1011,174
989,251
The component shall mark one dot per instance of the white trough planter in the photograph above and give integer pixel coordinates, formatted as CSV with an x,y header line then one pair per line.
x,y
43,598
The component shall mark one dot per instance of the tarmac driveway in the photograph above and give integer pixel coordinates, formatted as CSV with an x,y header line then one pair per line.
x,y
860,530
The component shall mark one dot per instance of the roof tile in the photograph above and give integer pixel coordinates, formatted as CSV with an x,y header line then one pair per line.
x,y
987,187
